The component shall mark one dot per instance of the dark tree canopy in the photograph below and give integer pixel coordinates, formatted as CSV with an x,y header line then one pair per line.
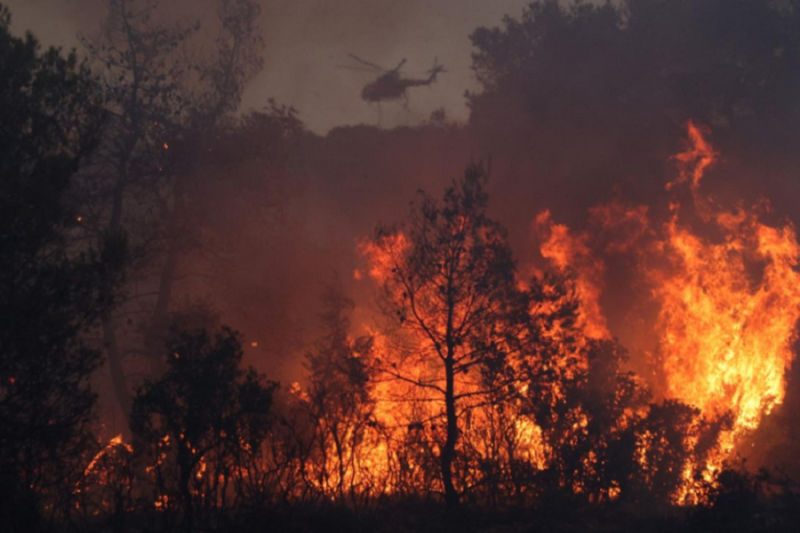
x,y
205,406
50,293
600,90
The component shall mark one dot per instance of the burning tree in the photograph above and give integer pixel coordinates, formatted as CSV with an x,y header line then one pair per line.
x,y
448,284
723,282
340,401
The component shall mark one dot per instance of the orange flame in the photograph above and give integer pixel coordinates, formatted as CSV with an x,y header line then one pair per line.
x,y
566,251
728,306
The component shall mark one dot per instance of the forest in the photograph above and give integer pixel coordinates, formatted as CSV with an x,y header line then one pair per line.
x,y
574,311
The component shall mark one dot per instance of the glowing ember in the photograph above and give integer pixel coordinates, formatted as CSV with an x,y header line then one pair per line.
x,y
113,443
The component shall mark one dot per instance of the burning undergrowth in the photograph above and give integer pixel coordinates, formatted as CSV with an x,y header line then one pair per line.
x,y
724,289
470,380
568,352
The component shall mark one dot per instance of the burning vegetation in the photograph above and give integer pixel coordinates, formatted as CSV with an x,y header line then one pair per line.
x,y
618,364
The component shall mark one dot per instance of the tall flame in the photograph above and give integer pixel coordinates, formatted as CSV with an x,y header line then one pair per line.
x,y
729,307
726,287
566,250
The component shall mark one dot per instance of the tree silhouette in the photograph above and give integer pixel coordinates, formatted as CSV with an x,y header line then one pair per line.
x,y
205,405
166,113
616,80
49,291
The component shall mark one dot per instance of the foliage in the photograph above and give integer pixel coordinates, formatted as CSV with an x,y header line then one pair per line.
x,y
49,292
339,396
614,81
497,398
205,412
167,109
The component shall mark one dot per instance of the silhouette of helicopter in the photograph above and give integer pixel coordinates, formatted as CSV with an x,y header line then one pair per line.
x,y
390,85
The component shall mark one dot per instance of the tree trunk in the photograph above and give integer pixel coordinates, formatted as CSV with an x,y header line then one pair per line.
x,y
115,365
448,451
184,465
154,336
107,320
342,467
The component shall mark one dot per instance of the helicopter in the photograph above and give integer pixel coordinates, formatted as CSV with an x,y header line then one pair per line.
x,y
390,85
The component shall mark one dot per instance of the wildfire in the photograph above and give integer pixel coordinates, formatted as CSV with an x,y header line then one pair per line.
x,y
566,251
113,443
726,287
726,336
553,404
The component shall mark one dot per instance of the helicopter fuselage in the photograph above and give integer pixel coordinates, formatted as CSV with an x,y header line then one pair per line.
x,y
391,86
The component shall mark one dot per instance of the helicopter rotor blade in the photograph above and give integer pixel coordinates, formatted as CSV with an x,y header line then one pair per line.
x,y
367,63
437,68
356,69
399,65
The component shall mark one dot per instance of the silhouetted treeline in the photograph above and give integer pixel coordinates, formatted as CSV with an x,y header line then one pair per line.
x,y
140,209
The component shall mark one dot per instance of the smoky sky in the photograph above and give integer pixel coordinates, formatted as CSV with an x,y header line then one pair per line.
x,y
308,40
352,180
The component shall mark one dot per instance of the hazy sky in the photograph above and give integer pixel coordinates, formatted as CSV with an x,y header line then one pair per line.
x,y
307,39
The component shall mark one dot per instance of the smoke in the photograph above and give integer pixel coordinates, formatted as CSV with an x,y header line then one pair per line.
x,y
594,122
307,40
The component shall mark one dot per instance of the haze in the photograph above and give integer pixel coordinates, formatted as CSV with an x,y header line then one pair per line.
x,y
308,39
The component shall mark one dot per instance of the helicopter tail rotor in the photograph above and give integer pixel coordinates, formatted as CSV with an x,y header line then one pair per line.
x,y
435,70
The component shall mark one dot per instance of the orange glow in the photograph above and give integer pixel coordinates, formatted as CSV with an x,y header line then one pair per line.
x,y
728,305
116,441
724,293
696,160
729,308
161,503
566,251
